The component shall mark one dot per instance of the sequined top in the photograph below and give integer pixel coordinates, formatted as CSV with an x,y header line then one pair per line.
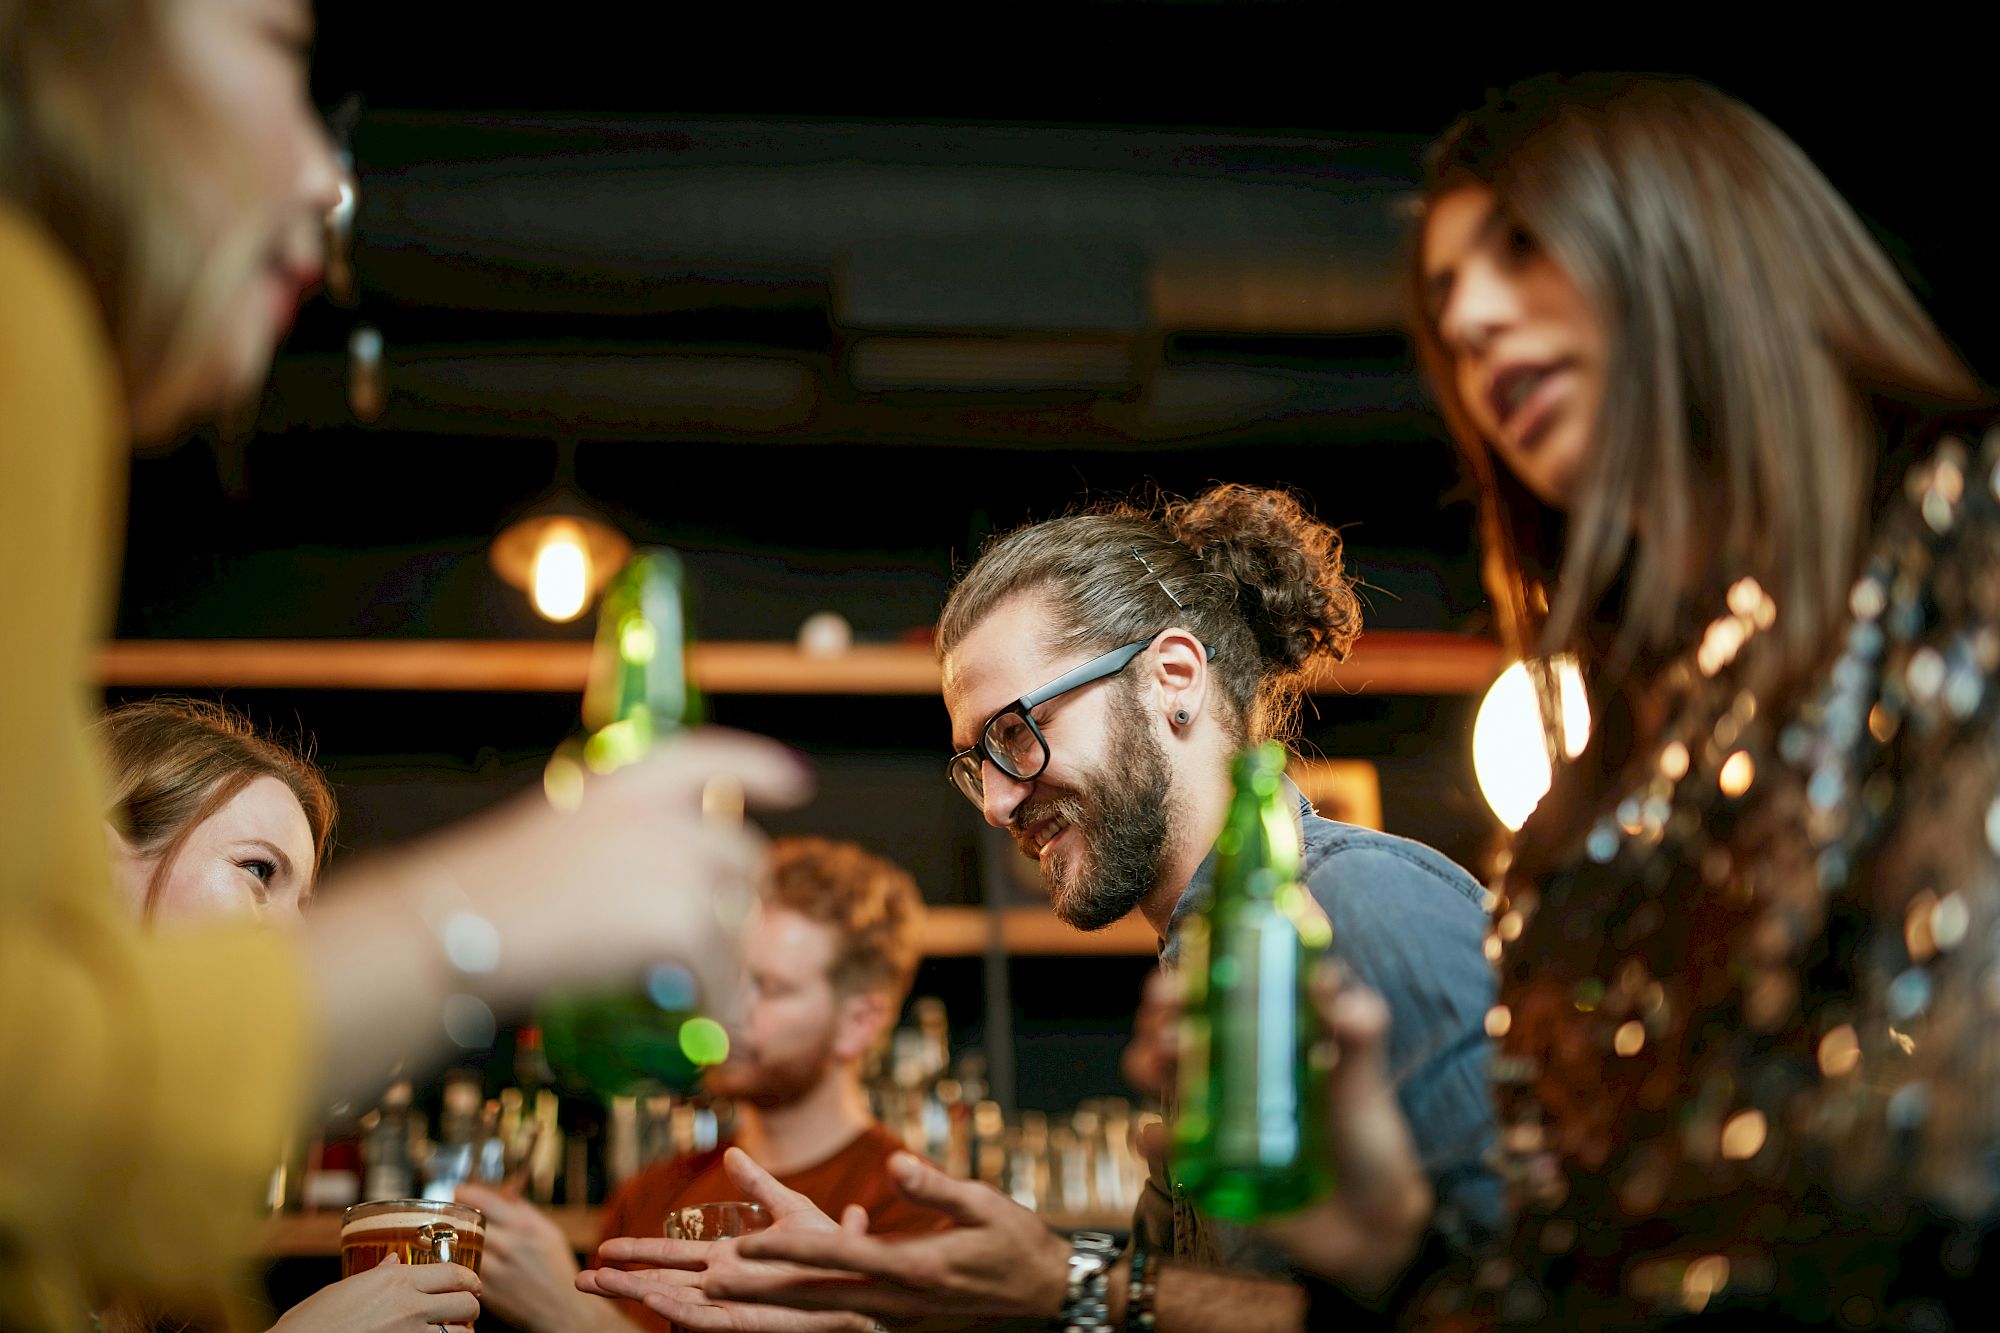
x,y
1751,1026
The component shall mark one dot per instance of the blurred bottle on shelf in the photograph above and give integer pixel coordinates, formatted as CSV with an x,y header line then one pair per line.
x,y
332,1179
452,1159
989,1137
387,1170
1081,1165
489,1164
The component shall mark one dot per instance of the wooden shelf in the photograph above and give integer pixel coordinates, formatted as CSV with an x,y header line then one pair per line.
x,y
1386,662
963,932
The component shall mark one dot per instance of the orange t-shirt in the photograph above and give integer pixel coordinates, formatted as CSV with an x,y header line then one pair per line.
x,y
858,1173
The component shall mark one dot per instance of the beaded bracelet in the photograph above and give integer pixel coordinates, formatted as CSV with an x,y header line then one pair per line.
x,y
1140,1291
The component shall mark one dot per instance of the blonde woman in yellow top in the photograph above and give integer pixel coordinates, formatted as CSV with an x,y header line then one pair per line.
x,y
161,179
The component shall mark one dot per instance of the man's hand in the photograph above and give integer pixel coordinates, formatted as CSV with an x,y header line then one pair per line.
x,y
677,1286
1367,1231
1000,1261
529,1269
1148,1063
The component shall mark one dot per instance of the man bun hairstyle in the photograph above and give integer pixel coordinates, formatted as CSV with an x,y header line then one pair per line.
x,y
1257,578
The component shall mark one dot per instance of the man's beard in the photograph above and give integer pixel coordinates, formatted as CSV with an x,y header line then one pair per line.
x,y
1120,833
771,1083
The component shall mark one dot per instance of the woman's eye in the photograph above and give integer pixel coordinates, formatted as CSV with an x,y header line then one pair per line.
x,y
264,870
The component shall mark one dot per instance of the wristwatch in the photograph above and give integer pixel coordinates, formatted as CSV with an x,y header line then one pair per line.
x,y
1085,1308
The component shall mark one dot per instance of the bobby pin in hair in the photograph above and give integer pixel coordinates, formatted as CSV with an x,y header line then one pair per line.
x,y
1157,579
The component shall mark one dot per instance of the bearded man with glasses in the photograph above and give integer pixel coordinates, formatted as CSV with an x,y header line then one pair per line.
x,y
1101,671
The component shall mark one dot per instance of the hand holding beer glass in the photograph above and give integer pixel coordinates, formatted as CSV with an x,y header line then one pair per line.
x,y
410,1231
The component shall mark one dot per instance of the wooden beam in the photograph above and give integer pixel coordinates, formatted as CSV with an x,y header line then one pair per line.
x,y
1035,930
962,932
1385,662
955,932
1413,662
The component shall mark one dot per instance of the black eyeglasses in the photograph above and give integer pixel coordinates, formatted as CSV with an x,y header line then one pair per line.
x,y
1012,740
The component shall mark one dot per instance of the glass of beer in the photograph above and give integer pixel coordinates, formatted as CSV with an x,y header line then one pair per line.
x,y
716,1221
417,1231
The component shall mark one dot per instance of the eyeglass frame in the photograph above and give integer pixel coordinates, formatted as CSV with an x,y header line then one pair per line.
x,y
1098,668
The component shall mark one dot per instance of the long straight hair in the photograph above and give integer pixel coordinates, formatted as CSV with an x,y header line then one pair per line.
x,y
1756,333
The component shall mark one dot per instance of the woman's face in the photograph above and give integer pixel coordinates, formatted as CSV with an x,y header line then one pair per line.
x,y
261,169
1527,351
251,858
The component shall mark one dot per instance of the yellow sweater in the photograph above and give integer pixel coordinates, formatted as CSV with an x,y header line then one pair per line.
x,y
146,1084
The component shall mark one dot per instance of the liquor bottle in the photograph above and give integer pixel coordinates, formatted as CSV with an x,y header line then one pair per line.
x,y
387,1172
989,1130
1248,1142
939,1104
614,1043
452,1159
333,1164
489,1155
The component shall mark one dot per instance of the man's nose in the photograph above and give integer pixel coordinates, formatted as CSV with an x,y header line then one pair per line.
x,y
1004,794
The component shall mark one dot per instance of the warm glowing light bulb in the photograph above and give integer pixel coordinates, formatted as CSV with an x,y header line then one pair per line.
x,y
1509,755
562,572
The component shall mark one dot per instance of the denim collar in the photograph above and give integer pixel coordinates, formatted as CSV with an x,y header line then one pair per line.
x,y
1201,888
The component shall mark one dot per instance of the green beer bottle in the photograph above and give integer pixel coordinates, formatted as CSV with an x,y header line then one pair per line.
x,y
1248,1142
614,1043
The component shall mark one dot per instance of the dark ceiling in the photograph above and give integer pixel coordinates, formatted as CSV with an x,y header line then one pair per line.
x,y
387,524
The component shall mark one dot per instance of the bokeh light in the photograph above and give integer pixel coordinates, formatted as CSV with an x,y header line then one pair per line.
x,y
1509,750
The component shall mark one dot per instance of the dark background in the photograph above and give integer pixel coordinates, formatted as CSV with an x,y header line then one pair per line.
x,y
312,525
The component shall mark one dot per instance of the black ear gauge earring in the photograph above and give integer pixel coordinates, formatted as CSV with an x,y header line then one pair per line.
x,y
1181,716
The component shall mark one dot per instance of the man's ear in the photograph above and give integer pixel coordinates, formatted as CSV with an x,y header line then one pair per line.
x,y
1179,676
861,1020
131,872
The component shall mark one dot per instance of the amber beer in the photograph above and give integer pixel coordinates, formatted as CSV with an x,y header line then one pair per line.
x,y
418,1231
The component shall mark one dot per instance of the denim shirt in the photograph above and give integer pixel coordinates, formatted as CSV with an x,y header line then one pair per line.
x,y
1411,925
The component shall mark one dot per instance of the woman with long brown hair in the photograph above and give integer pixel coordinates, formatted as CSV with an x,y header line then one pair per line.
x,y
212,819
209,817
163,177
1748,1056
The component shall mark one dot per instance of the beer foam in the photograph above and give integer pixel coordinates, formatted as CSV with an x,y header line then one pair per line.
x,y
410,1219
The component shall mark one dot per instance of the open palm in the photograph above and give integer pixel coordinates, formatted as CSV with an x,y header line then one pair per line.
x,y
673,1285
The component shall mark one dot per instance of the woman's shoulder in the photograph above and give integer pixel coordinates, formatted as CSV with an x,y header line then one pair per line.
x,y
53,351
39,278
